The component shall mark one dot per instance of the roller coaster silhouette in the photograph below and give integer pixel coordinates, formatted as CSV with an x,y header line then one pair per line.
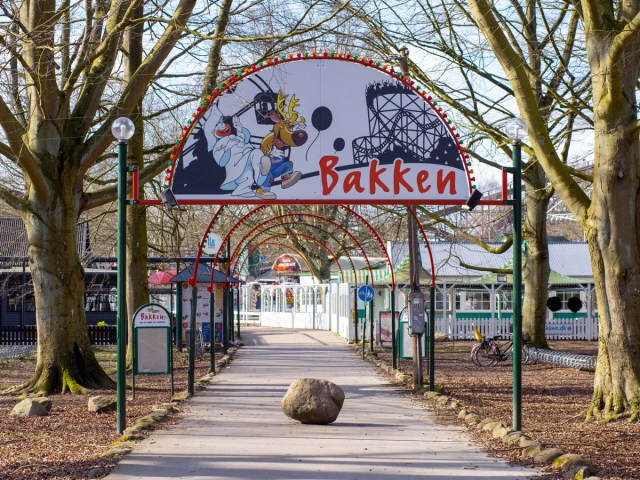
x,y
402,125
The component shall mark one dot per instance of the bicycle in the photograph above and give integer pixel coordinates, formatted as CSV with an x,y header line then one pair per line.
x,y
487,353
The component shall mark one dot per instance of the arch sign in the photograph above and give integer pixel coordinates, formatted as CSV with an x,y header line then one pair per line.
x,y
326,128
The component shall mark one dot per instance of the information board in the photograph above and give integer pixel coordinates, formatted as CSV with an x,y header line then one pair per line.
x,y
151,340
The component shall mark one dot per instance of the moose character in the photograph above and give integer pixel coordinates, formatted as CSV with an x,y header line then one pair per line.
x,y
288,131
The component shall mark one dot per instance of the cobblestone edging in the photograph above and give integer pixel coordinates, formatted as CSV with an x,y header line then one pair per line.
x,y
571,466
161,412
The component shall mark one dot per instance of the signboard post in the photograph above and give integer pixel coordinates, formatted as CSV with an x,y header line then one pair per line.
x,y
151,343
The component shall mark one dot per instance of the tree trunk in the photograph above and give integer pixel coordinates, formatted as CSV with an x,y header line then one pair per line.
x,y
66,361
613,242
137,290
536,268
612,234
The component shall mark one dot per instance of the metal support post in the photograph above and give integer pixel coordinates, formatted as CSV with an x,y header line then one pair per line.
x,y
415,287
517,287
229,292
394,340
371,325
225,320
212,335
432,342
192,341
121,361
179,316
232,333
355,310
238,296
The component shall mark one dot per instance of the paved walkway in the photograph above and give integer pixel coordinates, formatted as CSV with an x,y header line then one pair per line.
x,y
235,429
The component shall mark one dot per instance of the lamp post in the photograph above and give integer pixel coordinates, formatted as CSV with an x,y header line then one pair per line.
x,y
123,129
516,130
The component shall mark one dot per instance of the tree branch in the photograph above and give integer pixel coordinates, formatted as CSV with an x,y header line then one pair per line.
x,y
110,194
486,269
572,195
14,133
620,44
137,86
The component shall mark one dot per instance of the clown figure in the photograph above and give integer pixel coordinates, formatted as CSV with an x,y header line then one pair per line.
x,y
245,166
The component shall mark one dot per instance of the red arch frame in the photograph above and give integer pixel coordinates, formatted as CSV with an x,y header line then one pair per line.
x,y
426,242
317,217
275,244
313,239
259,208
286,223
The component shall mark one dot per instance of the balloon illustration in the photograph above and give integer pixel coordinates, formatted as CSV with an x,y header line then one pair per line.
x,y
338,144
321,118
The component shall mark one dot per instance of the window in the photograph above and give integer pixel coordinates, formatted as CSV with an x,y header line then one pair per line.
x,y
100,301
14,302
565,295
16,292
441,298
30,302
470,300
504,300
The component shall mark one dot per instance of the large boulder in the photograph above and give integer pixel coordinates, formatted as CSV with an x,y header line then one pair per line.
x,y
313,401
29,407
102,403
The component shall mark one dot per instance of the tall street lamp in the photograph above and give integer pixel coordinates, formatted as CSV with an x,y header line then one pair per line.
x,y
516,130
123,129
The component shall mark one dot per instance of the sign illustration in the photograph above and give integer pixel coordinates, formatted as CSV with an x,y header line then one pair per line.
x,y
365,293
320,130
286,263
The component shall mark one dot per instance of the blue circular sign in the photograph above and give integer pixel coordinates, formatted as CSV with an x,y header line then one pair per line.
x,y
365,293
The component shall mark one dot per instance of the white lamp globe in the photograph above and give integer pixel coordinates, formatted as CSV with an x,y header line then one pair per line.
x,y
123,129
516,129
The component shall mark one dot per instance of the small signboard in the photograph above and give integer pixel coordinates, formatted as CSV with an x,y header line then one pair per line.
x,y
365,293
384,329
151,340
558,329
212,244
286,263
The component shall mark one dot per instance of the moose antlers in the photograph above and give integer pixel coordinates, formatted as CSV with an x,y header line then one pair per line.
x,y
289,116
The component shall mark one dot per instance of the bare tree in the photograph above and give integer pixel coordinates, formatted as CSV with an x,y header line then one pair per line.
x,y
56,123
610,32
451,60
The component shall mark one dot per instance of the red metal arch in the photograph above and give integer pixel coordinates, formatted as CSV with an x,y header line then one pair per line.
x,y
262,207
254,234
192,281
426,242
273,244
322,219
237,251
376,237
259,208
309,237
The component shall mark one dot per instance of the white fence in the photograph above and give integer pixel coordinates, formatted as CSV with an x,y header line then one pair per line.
x,y
318,307
331,307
